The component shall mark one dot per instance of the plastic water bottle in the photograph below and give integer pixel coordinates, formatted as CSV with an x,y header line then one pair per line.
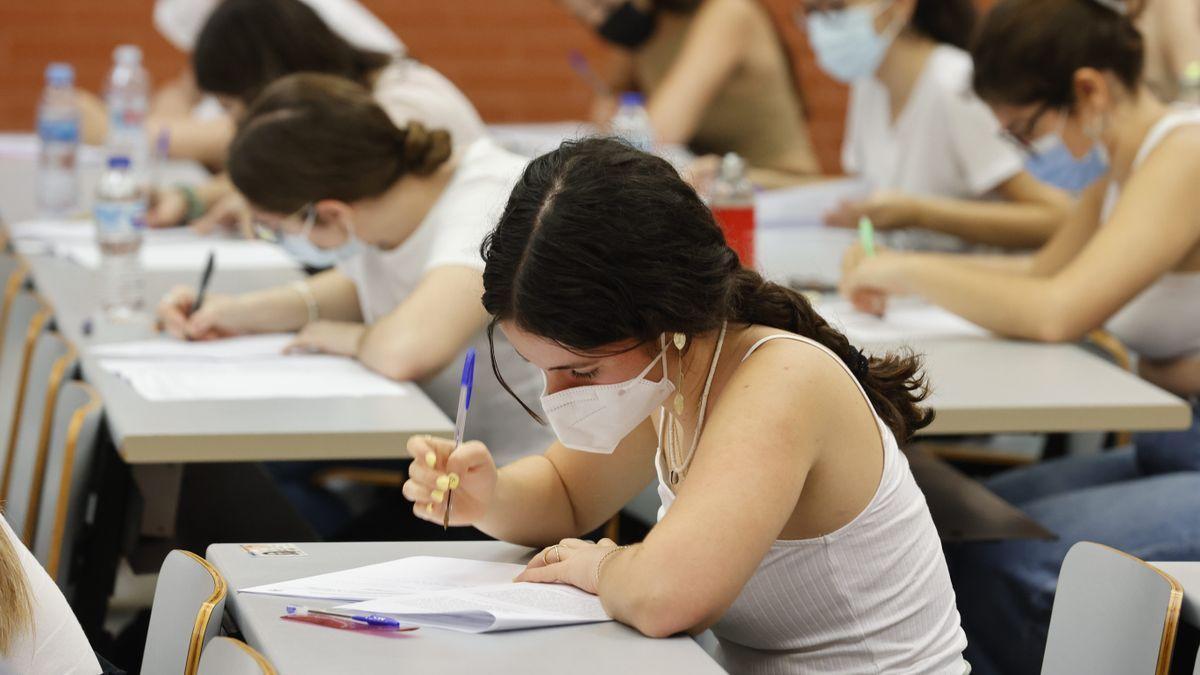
x,y
632,122
58,136
733,207
120,215
127,95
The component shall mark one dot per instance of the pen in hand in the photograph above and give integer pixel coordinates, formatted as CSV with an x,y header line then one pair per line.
x,y
866,238
204,279
466,384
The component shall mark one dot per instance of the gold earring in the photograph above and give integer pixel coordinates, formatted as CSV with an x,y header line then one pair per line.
x,y
680,340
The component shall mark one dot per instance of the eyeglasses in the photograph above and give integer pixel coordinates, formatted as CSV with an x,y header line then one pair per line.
x,y
1022,135
271,231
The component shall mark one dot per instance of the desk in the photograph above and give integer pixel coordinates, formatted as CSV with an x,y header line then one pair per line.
x,y
211,431
295,649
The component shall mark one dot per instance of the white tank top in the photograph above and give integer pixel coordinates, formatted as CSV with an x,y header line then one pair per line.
x,y
1163,321
872,597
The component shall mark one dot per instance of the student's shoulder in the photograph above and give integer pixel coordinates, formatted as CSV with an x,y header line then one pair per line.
x,y
802,358
950,72
731,15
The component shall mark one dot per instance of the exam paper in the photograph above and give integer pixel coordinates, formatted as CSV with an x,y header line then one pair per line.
x,y
806,205
487,609
262,346
298,376
188,255
413,575
906,320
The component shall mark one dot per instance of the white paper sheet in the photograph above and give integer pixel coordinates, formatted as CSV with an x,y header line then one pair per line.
x,y
189,255
907,320
489,609
289,377
416,574
805,205
244,347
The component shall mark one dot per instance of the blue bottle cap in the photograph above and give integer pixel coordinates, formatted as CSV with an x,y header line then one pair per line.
x,y
118,162
632,98
60,74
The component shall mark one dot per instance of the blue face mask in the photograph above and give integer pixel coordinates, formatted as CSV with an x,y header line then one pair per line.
x,y
1053,164
311,255
845,41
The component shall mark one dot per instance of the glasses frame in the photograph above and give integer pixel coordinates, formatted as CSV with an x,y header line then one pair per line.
x,y
269,233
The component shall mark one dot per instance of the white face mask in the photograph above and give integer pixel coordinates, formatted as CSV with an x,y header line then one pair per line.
x,y
596,418
845,42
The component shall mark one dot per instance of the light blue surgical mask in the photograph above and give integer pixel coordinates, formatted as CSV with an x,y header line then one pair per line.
x,y
307,253
1053,164
845,41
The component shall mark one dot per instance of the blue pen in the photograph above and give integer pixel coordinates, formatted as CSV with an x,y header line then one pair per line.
x,y
465,385
373,620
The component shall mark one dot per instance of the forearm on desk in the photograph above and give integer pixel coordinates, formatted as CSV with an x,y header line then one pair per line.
x,y
286,308
1008,224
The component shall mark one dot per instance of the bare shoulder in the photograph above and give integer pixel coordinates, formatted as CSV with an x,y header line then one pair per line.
x,y
733,14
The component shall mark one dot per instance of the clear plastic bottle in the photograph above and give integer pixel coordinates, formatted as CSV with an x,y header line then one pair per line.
x,y
58,143
127,95
733,206
632,123
120,215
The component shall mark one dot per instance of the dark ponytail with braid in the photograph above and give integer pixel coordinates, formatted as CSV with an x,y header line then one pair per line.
x,y
600,243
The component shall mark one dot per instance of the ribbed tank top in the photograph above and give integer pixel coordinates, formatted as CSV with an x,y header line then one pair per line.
x,y
872,597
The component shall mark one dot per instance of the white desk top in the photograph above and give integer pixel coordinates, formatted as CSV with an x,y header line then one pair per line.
x,y
295,649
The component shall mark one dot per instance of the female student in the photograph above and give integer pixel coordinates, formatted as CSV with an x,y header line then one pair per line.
x,y
247,44
38,632
931,151
716,75
327,168
790,522
1172,33
1067,74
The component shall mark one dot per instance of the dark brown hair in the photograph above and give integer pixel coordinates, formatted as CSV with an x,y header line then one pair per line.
x,y
311,137
247,44
946,21
600,243
1027,51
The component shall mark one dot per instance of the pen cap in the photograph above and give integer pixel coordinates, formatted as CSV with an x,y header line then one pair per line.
x,y
468,374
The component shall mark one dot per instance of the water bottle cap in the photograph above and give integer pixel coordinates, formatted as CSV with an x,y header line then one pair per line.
x,y
60,74
732,166
118,162
633,98
127,54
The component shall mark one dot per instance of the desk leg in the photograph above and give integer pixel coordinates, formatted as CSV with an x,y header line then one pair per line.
x,y
110,524
159,486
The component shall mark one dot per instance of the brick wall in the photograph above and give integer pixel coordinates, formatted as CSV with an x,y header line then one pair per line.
x,y
509,56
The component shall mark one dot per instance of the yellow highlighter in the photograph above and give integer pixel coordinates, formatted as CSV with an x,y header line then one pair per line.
x,y
866,235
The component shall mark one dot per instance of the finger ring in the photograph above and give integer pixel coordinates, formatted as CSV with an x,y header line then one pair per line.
x,y
545,556
557,553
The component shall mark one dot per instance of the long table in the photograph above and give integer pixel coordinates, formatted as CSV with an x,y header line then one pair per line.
x,y
297,649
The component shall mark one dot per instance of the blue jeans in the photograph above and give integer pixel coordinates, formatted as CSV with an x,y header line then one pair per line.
x,y
1143,500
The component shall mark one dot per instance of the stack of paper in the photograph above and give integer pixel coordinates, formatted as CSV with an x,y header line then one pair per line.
x,y
465,595
906,320
189,255
252,367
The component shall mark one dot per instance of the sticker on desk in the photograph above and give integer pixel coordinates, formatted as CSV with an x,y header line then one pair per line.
x,y
272,550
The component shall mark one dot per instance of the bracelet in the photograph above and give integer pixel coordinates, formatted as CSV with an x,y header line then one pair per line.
x,y
600,564
310,300
195,207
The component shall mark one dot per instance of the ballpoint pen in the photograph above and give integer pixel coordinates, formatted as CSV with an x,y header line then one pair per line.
x,y
466,384
204,279
372,620
866,235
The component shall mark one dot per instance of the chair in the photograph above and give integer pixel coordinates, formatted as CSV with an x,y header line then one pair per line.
x,y
28,317
189,600
15,275
1113,615
73,439
54,361
226,656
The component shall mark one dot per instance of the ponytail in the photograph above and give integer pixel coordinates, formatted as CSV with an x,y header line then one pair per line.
x,y
617,237
310,137
894,382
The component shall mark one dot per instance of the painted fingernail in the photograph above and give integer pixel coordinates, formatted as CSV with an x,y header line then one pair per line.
x,y
443,482
452,480
437,496
431,459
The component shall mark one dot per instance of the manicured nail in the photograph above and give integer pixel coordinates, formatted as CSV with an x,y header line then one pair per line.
x,y
443,482
431,459
453,481
437,496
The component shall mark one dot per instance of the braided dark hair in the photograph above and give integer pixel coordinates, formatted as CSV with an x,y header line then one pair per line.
x,y
600,243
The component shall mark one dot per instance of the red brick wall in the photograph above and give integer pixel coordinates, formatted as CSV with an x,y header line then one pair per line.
x,y
509,56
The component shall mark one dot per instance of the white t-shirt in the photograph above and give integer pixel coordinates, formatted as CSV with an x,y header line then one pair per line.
x,y
57,645
409,90
945,143
180,22
451,235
